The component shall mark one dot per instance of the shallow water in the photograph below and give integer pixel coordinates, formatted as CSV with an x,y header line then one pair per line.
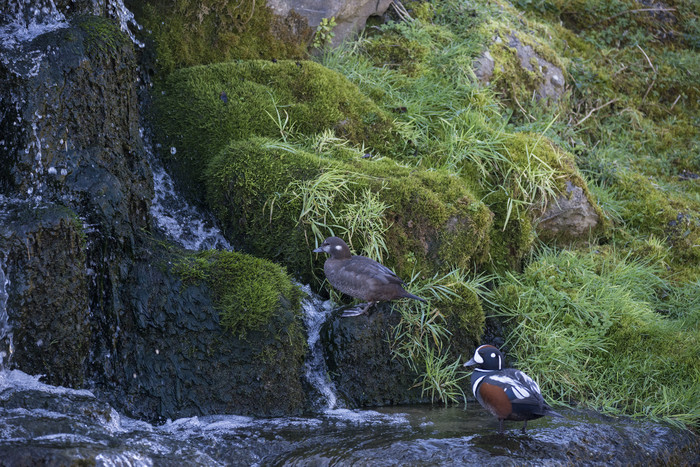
x,y
48,425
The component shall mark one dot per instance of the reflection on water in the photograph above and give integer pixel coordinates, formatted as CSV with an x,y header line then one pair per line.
x,y
47,424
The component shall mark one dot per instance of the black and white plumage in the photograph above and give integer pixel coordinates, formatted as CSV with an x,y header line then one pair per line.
x,y
507,393
359,276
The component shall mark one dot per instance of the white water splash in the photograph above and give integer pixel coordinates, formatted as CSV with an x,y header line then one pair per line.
x,y
6,344
117,10
178,219
28,19
316,312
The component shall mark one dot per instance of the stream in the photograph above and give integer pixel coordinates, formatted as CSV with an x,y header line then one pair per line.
x,y
48,425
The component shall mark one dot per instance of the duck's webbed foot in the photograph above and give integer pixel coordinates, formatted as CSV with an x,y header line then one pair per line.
x,y
357,311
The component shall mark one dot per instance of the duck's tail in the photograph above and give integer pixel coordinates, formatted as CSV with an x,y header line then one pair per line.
x,y
548,411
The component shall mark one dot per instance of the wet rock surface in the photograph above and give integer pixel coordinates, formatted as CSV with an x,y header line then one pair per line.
x,y
51,425
360,359
174,359
44,254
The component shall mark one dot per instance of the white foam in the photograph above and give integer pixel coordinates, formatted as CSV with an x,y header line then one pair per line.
x,y
18,380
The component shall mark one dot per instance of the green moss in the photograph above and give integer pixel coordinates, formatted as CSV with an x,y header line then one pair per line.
x,y
434,221
201,109
248,291
464,317
102,35
188,33
394,50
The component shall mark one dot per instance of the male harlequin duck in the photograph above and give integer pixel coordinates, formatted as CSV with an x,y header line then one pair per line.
x,y
507,393
359,276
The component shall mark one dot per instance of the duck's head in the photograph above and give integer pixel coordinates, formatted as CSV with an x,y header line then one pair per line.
x,y
335,247
487,357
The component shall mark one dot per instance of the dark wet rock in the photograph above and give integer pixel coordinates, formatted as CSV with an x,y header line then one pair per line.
x,y
361,362
71,129
350,15
569,217
172,358
43,251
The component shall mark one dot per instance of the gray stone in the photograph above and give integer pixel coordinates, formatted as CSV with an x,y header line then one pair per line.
x,y
553,85
483,67
570,216
350,15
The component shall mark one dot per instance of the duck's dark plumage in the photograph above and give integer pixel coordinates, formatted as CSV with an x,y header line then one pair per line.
x,y
507,393
359,276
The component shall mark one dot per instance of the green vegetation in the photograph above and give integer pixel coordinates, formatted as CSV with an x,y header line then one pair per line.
x,y
431,337
324,33
262,289
393,142
188,32
601,328
102,36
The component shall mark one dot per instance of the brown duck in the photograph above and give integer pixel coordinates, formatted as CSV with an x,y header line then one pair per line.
x,y
359,276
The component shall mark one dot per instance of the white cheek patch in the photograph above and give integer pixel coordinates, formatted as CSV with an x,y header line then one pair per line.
x,y
477,357
338,247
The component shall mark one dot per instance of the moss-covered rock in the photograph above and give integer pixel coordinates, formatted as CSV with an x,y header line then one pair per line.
x,y
434,222
201,109
260,286
205,333
187,33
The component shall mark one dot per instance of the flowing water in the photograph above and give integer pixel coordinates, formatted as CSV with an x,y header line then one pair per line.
x,y
48,425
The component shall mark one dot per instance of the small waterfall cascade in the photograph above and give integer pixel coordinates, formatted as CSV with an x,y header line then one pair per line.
x,y
6,345
316,312
180,221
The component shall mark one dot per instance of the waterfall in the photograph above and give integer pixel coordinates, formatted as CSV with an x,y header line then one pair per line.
x,y
179,220
316,312
6,346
